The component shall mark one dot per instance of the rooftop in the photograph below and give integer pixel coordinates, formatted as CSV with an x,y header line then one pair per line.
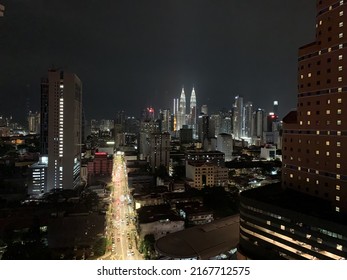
x,y
202,242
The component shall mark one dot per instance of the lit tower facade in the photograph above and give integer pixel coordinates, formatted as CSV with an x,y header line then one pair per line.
x,y
61,127
192,113
238,117
314,136
182,110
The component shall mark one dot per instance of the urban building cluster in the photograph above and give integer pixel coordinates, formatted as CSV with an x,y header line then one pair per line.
x,y
157,186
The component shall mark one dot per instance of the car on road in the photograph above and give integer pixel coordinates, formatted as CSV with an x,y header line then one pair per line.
x,y
118,239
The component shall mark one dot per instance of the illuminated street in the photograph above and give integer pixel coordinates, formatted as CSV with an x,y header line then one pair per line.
x,y
120,223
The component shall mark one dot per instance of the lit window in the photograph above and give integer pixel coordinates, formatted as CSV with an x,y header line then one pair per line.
x,y
328,101
341,35
337,198
317,132
339,111
317,152
339,79
291,175
338,144
339,89
330,8
341,24
317,182
317,171
338,187
341,2
338,133
339,247
338,154
268,223
340,57
300,122
338,122
299,168
327,143
308,113
283,227
341,14
339,100
328,112
337,209
340,46
340,68
302,76
328,153
308,122
338,165
320,22
309,75
338,176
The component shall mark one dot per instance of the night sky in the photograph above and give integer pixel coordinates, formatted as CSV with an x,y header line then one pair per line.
x,y
133,54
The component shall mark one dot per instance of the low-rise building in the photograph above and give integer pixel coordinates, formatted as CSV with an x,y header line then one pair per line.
x,y
158,220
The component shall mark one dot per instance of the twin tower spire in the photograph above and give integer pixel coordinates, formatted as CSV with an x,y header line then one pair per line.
x,y
181,112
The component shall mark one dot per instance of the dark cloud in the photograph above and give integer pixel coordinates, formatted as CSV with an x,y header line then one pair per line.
x,y
131,54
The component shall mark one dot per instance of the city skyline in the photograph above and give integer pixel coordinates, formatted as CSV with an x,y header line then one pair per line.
x,y
150,51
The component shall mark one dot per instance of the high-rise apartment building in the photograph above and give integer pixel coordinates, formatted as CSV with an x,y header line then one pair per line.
x,y
314,136
160,150
61,121
34,122
305,218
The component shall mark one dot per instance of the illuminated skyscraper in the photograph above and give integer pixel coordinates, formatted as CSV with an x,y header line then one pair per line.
x,y
238,117
61,122
182,111
192,113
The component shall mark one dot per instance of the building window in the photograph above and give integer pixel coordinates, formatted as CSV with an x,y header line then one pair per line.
x,y
317,152
339,100
337,209
307,179
341,24
340,68
341,35
328,153
338,187
341,13
291,175
328,112
340,57
338,165
339,247
339,111
338,122
339,89
338,176
339,79
338,144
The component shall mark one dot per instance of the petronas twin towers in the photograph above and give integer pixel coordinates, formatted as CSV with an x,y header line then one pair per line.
x,y
180,110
